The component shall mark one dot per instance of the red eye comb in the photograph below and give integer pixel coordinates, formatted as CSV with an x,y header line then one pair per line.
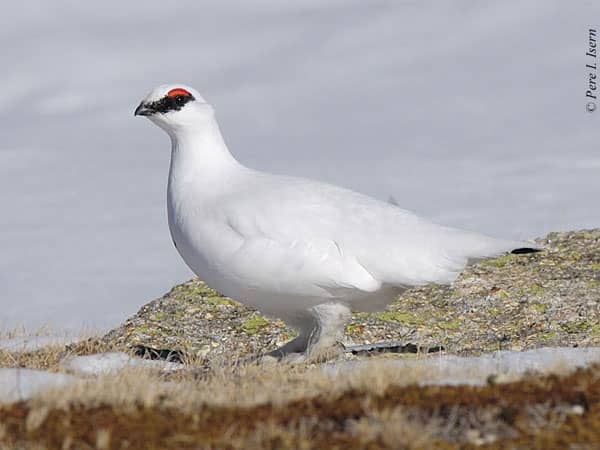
x,y
178,91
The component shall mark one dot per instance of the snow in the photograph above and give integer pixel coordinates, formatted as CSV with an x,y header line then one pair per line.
x,y
20,384
23,344
456,109
505,364
102,363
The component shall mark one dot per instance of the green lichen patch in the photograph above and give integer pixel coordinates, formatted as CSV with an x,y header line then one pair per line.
x,y
452,324
547,335
536,290
254,324
576,326
499,262
354,329
396,316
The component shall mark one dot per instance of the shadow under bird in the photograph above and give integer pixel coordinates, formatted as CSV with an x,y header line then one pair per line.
x,y
303,251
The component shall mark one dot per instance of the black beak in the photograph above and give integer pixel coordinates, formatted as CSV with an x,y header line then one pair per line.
x,y
143,110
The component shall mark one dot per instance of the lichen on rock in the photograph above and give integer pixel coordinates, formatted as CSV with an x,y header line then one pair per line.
x,y
550,298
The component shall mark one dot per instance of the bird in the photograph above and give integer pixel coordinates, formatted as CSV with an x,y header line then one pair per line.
x,y
303,251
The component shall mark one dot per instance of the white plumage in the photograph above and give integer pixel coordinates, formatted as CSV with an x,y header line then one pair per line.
x,y
297,249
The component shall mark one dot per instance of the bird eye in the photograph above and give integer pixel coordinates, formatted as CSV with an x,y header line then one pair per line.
x,y
180,100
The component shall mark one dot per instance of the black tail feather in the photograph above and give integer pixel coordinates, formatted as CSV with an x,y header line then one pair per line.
x,y
525,250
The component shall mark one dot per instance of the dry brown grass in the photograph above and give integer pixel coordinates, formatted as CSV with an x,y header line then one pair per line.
x,y
280,406
47,358
302,409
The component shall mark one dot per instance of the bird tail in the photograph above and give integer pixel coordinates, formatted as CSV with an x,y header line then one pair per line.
x,y
525,250
475,247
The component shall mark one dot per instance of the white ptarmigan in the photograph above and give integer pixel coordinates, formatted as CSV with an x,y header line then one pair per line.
x,y
300,250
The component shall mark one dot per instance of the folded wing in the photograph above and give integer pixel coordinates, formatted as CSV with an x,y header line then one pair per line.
x,y
313,234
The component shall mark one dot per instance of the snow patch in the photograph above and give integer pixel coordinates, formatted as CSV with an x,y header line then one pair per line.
x,y
504,365
24,344
21,384
102,363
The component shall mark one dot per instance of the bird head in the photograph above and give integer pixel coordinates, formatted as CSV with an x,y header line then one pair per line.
x,y
173,107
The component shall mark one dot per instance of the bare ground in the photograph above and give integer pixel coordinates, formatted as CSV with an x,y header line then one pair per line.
x,y
281,406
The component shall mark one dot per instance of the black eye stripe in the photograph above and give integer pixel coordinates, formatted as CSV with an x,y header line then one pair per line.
x,y
167,104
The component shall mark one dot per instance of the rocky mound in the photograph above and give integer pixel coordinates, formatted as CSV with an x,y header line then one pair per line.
x,y
550,298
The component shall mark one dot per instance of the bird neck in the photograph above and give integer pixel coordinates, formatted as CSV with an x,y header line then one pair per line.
x,y
199,153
